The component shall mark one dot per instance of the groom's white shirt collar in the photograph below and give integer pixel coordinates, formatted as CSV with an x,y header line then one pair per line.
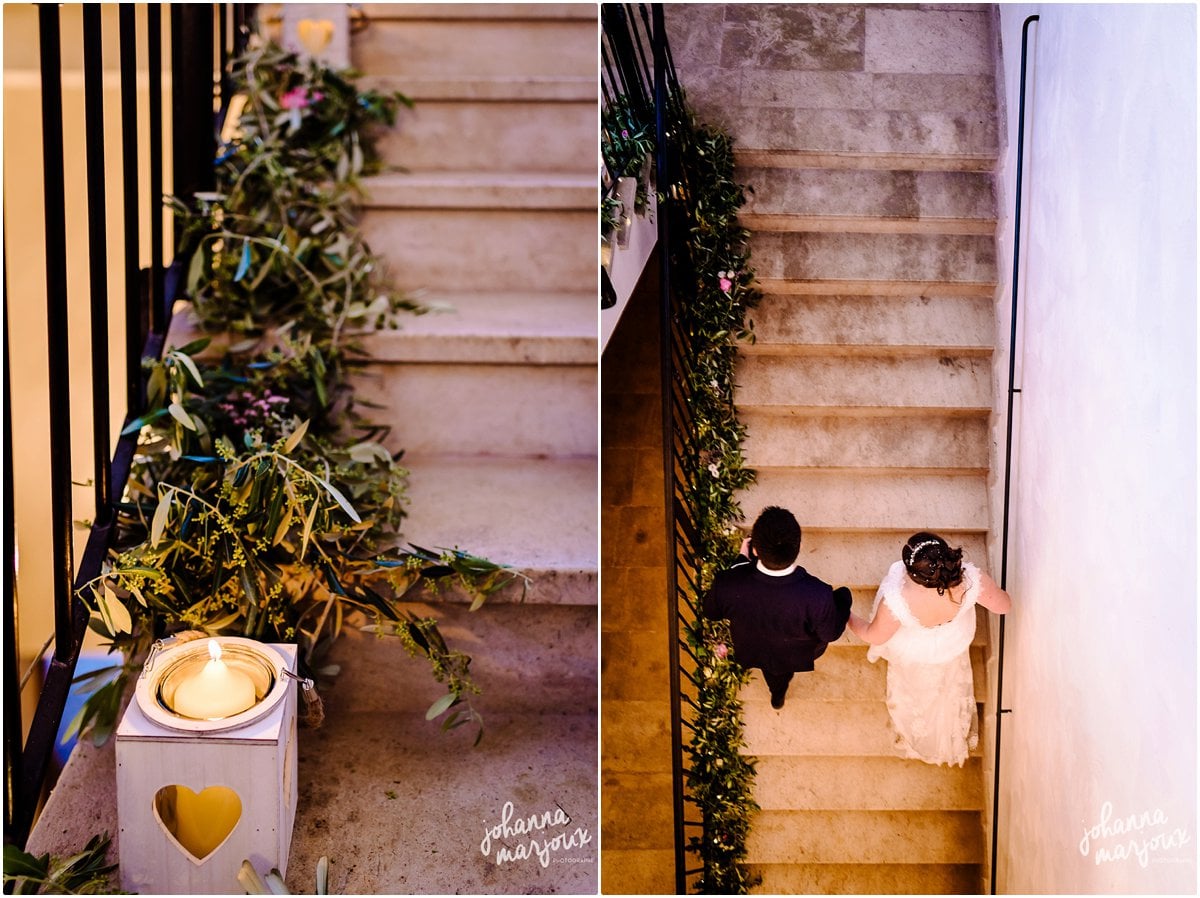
x,y
771,573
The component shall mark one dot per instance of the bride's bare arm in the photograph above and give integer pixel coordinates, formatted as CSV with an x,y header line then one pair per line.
x,y
991,596
879,630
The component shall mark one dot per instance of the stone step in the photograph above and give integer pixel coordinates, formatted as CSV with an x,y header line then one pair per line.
x,y
848,224
538,515
490,127
945,384
480,190
453,88
843,673
789,324
500,328
868,879
429,46
860,558
876,161
862,131
497,374
803,727
948,258
815,783
870,194
473,250
960,444
883,500
787,286
516,12
864,606
865,837
486,409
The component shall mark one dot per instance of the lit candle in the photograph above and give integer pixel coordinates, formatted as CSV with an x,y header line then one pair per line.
x,y
217,691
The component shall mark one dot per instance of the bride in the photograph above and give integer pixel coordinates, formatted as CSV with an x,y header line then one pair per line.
x,y
923,623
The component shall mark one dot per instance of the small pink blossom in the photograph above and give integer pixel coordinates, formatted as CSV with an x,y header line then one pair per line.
x,y
720,650
299,97
726,284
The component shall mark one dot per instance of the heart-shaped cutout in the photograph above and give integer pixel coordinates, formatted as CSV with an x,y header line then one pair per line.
x,y
315,34
197,824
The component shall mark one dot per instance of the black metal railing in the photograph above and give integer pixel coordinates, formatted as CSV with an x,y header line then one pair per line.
x,y
202,39
637,69
1013,390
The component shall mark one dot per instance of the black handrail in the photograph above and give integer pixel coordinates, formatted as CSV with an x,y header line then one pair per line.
x,y
147,317
667,173
1008,441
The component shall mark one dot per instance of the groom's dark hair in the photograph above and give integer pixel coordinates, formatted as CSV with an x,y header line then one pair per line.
x,y
775,538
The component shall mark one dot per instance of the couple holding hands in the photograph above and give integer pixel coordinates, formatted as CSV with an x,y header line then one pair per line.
x,y
782,618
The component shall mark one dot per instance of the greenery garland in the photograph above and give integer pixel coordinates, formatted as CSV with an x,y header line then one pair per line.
x,y
260,502
710,266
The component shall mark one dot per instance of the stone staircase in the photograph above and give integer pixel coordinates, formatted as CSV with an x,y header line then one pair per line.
x,y
493,215
868,136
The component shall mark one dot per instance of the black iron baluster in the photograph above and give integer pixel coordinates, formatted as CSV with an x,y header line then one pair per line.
x,y
93,84
154,56
192,134
137,323
56,318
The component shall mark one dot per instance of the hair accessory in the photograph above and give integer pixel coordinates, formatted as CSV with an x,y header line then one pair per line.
x,y
912,555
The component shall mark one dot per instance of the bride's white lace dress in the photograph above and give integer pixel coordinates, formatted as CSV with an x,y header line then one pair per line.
x,y
930,687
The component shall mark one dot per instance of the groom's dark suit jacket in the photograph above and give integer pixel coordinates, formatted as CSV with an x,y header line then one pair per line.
x,y
777,623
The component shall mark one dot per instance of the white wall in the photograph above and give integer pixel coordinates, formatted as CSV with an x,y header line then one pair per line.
x,y
1100,666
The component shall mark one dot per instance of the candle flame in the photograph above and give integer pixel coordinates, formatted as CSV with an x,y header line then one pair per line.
x,y
214,650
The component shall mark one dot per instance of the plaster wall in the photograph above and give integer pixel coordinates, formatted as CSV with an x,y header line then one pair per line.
x,y
1100,668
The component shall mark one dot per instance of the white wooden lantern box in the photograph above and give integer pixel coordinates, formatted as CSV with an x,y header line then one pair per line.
x,y
225,788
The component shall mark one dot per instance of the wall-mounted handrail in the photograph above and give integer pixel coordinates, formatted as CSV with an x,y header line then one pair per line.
x,y
1008,444
147,317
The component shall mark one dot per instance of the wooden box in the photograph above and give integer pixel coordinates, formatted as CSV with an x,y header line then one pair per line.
x,y
212,772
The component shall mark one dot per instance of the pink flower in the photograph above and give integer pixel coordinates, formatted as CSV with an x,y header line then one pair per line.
x,y
726,283
299,97
720,650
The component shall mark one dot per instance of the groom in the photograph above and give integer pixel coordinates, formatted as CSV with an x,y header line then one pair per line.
x,y
780,616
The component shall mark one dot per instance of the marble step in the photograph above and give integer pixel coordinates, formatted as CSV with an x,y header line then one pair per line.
x,y
883,500
478,250
956,443
864,161
497,374
872,194
480,190
868,879
520,328
490,126
494,11
859,558
817,783
828,729
864,607
946,258
945,384
488,409
455,88
537,515
871,325
428,44
865,837
843,673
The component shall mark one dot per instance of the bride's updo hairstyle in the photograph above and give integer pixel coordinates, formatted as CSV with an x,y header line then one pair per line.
x,y
931,562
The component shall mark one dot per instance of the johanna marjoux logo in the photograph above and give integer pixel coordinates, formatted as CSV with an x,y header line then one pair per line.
x,y
544,836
